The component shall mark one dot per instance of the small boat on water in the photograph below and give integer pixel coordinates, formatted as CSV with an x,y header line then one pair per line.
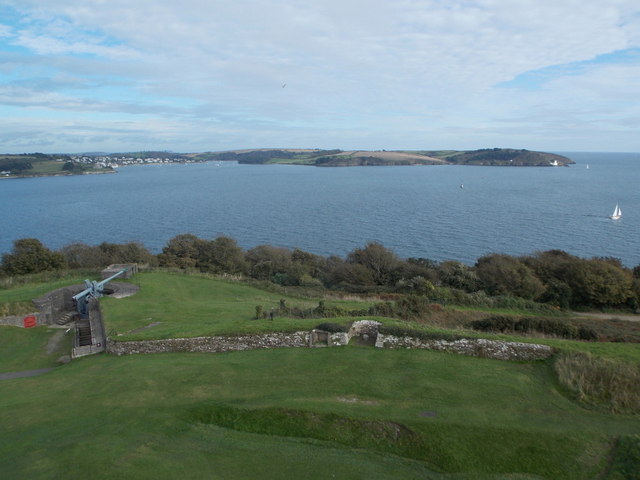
x,y
617,213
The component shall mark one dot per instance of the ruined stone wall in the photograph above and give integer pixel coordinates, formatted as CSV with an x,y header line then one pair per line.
x,y
477,347
211,344
473,347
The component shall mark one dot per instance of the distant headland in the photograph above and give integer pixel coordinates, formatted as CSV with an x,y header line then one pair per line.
x,y
40,164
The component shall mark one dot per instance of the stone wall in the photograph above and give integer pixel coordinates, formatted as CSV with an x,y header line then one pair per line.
x,y
474,347
211,344
478,347
18,320
54,304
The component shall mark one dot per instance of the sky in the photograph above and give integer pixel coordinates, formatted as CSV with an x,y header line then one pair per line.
x,y
212,75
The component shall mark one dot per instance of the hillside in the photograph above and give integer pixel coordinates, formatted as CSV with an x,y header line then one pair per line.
x,y
505,157
341,158
39,164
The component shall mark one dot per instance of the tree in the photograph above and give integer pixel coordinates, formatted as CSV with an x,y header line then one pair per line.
x,y
348,275
80,255
29,255
265,262
506,275
221,255
132,252
181,251
458,275
379,260
599,283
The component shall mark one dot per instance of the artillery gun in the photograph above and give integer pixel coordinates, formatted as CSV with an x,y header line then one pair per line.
x,y
94,290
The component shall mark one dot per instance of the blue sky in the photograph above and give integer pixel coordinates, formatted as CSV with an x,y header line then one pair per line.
x,y
209,75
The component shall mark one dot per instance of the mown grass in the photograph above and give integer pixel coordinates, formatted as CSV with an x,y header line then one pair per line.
x,y
29,287
134,417
188,306
17,293
26,349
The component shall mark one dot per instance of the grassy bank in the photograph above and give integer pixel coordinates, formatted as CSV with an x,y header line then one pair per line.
x,y
134,417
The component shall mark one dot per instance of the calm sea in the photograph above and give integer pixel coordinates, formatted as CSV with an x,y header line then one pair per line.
x,y
415,211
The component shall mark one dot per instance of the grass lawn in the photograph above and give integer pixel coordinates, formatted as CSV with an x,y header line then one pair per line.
x,y
26,349
133,417
34,290
191,306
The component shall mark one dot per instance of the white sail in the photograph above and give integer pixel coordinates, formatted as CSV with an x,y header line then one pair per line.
x,y
617,213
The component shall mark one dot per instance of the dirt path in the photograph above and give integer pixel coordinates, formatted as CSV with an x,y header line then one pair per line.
x,y
54,342
25,373
607,316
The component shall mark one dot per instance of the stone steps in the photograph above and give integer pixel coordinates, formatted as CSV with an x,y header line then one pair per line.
x,y
83,333
65,318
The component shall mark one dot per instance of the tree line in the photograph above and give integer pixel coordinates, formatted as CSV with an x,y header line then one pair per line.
x,y
553,277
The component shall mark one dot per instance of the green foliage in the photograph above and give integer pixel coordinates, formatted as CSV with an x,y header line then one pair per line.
x,y
132,252
181,252
505,275
601,383
596,282
80,255
74,167
599,283
221,255
15,165
458,275
378,260
29,255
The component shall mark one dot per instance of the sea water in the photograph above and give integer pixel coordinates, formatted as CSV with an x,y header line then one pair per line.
x,y
437,212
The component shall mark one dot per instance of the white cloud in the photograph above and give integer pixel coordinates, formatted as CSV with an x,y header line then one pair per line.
x,y
404,69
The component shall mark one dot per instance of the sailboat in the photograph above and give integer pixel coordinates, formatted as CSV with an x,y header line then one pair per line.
x,y
617,213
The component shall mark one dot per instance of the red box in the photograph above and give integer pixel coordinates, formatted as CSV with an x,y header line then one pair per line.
x,y
29,321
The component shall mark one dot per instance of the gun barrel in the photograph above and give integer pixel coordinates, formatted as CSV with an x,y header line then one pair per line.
x,y
107,280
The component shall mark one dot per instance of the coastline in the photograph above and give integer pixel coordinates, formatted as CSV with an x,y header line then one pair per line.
x,y
57,174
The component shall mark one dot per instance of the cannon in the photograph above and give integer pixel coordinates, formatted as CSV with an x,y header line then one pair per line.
x,y
94,290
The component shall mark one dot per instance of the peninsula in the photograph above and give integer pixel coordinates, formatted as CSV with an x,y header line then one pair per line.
x,y
40,164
